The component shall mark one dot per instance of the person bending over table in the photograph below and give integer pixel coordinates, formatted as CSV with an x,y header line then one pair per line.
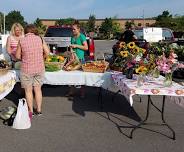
x,y
79,45
31,51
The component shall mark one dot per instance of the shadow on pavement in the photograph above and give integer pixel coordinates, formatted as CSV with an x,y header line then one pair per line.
x,y
114,111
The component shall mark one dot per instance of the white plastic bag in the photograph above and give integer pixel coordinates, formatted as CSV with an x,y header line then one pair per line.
x,y
22,120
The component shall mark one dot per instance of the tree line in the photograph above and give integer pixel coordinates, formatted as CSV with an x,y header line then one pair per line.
x,y
107,29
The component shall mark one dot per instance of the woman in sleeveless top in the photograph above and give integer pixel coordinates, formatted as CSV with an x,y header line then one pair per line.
x,y
16,34
31,51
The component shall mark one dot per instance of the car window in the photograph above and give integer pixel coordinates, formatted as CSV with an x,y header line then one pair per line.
x,y
138,33
59,32
166,34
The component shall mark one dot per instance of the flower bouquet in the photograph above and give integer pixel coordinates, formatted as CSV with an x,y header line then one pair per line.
x,y
167,65
127,55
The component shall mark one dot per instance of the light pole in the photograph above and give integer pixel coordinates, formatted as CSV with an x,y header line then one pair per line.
x,y
4,24
143,18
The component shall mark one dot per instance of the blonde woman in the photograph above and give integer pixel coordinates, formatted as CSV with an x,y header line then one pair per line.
x,y
17,32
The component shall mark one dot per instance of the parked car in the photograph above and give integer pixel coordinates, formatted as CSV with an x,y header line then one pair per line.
x,y
179,38
155,34
60,37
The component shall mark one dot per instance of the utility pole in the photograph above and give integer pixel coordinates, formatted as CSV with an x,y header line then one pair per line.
x,y
4,24
143,18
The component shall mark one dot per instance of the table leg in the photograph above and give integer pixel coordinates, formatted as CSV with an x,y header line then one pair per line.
x,y
100,98
147,115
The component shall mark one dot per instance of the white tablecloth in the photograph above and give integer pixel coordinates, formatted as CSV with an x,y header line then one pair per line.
x,y
61,77
129,88
7,82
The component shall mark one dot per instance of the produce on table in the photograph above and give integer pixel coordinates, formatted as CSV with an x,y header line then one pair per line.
x,y
54,63
95,66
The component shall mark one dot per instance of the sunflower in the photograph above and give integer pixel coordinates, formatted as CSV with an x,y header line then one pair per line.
x,y
141,69
122,45
144,51
136,50
131,45
124,53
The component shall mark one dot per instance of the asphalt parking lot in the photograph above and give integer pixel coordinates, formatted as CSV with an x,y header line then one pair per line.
x,y
80,125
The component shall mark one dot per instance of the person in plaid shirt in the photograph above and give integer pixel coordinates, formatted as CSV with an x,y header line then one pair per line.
x,y
31,51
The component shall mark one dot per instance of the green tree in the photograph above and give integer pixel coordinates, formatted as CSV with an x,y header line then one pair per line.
x,y
67,21
165,20
178,22
129,24
91,23
84,25
12,17
40,27
106,27
116,28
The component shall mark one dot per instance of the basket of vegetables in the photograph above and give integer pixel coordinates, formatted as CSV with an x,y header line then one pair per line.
x,y
54,63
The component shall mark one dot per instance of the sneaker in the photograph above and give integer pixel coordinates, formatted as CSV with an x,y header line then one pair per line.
x,y
38,113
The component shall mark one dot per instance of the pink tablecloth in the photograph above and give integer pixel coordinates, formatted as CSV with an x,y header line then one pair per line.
x,y
150,86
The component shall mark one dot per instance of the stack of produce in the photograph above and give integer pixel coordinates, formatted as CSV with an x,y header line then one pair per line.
x,y
54,63
73,62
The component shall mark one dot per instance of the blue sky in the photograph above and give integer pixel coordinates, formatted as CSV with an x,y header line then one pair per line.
x,y
81,9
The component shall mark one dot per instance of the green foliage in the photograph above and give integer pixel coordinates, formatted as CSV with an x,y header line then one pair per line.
x,y
164,20
91,23
67,21
179,23
159,48
84,25
167,20
116,28
40,27
106,27
13,17
129,24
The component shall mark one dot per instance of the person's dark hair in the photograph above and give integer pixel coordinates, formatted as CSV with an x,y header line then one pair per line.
x,y
31,28
76,23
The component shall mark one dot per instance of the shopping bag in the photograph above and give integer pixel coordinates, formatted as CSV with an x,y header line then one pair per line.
x,y
22,120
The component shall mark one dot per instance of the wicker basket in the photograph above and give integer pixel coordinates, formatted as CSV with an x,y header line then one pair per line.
x,y
96,69
57,65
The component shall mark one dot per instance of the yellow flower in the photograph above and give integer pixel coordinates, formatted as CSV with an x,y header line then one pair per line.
x,y
144,51
131,45
122,45
124,53
141,69
136,50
